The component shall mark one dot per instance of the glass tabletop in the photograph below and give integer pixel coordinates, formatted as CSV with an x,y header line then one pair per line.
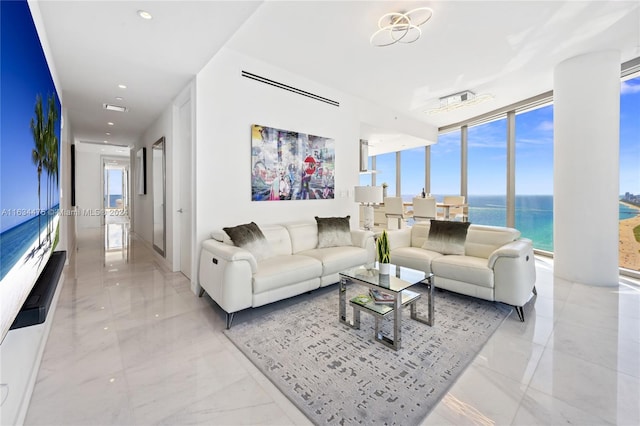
x,y
398,279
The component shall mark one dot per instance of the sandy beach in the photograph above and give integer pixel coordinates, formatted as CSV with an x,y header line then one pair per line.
x,y
629,247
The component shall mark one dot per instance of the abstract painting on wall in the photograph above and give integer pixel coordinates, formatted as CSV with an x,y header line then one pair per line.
x,y
288,165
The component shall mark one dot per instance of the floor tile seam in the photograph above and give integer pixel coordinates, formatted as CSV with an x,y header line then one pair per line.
x,y
118,314
601,422
598,326
592,362
503,375
511,336
570,403
518,400
603,330
617,372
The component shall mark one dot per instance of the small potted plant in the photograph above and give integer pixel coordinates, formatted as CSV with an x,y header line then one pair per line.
x,y
384,189
382,246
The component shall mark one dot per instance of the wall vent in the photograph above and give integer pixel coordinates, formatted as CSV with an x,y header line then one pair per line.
x,y
289,88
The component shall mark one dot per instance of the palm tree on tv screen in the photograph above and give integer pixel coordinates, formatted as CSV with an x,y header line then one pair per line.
x,y
51,155
38,154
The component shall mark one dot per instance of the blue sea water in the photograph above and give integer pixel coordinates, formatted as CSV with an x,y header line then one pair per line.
x,y
112,199
14,242
534,215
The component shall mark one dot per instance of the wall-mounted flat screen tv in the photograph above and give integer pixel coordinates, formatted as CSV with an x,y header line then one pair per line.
x,y
29,159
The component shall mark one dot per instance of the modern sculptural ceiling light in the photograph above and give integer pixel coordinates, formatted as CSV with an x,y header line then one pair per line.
x,y
400,27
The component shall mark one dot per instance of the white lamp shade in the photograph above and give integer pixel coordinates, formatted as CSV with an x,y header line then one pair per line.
x,y
368,194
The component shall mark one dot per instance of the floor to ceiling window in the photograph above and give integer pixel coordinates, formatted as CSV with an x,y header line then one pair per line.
x,y
114,187
534,176
412,172
445,165
629,248
487,170
386,172
365,178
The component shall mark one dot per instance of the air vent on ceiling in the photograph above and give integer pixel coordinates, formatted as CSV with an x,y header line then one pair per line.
x,y
117,108
105,143
289,88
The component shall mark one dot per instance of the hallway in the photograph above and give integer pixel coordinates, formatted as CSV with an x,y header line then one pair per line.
x,y
130,344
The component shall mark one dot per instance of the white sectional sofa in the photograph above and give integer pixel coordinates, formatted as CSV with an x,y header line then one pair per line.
x,y
496,265
236,279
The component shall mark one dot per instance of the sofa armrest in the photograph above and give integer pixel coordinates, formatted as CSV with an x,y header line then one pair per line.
x,y
360,237
399,238
513,249
230,253
514,272
226,274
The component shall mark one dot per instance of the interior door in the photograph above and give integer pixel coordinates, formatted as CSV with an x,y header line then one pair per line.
x,y
185,211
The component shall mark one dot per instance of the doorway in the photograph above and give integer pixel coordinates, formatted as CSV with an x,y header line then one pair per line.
x,y
115,195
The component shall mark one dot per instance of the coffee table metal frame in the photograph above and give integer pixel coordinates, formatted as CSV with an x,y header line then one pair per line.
x,y
399,279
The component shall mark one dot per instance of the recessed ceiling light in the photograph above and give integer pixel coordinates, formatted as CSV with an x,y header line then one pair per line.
x,y
119,98
105,141
144,14
122,86
110,123
108,133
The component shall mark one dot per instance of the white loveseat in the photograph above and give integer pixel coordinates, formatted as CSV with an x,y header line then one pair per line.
x,y
235,280
497,264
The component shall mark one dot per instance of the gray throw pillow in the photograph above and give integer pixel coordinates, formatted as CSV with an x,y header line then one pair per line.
x,y
447,237
250,237
333,231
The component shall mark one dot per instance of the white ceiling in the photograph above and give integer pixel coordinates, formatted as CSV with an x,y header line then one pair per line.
x,y
508,49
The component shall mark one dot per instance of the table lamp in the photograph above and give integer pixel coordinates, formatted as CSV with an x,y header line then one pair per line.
x,y
367,196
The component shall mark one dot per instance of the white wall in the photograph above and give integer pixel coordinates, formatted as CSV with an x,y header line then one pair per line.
x,y
88,191
143,204
227,104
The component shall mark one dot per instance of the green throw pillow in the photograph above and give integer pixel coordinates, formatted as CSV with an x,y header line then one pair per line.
x,y
333,231
250,237
447,237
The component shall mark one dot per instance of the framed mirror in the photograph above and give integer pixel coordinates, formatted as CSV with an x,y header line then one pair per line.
x,y
159,195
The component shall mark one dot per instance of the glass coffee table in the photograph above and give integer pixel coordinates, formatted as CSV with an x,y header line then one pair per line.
x,y
396,284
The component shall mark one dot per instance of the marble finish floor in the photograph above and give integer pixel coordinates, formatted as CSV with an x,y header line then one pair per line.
x,y
130,344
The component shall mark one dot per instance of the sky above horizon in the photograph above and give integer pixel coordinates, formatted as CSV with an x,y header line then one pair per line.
x,y
25,74
487,155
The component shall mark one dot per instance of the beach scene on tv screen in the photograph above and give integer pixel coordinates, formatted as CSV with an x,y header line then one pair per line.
x,y
29,160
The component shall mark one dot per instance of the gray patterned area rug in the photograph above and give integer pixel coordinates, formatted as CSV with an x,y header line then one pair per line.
x,y
338,375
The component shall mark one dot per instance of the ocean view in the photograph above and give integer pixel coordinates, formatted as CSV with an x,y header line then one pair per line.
x,y
534,215
15,241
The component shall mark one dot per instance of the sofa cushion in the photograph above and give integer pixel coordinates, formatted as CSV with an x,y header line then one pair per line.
x,y
249,237
283,270
482,240
469,269
419,233
447,237
414,257
337,259
304,235
334,231
278,238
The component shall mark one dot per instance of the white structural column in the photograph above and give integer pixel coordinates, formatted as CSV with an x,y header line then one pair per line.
x,y
586,168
